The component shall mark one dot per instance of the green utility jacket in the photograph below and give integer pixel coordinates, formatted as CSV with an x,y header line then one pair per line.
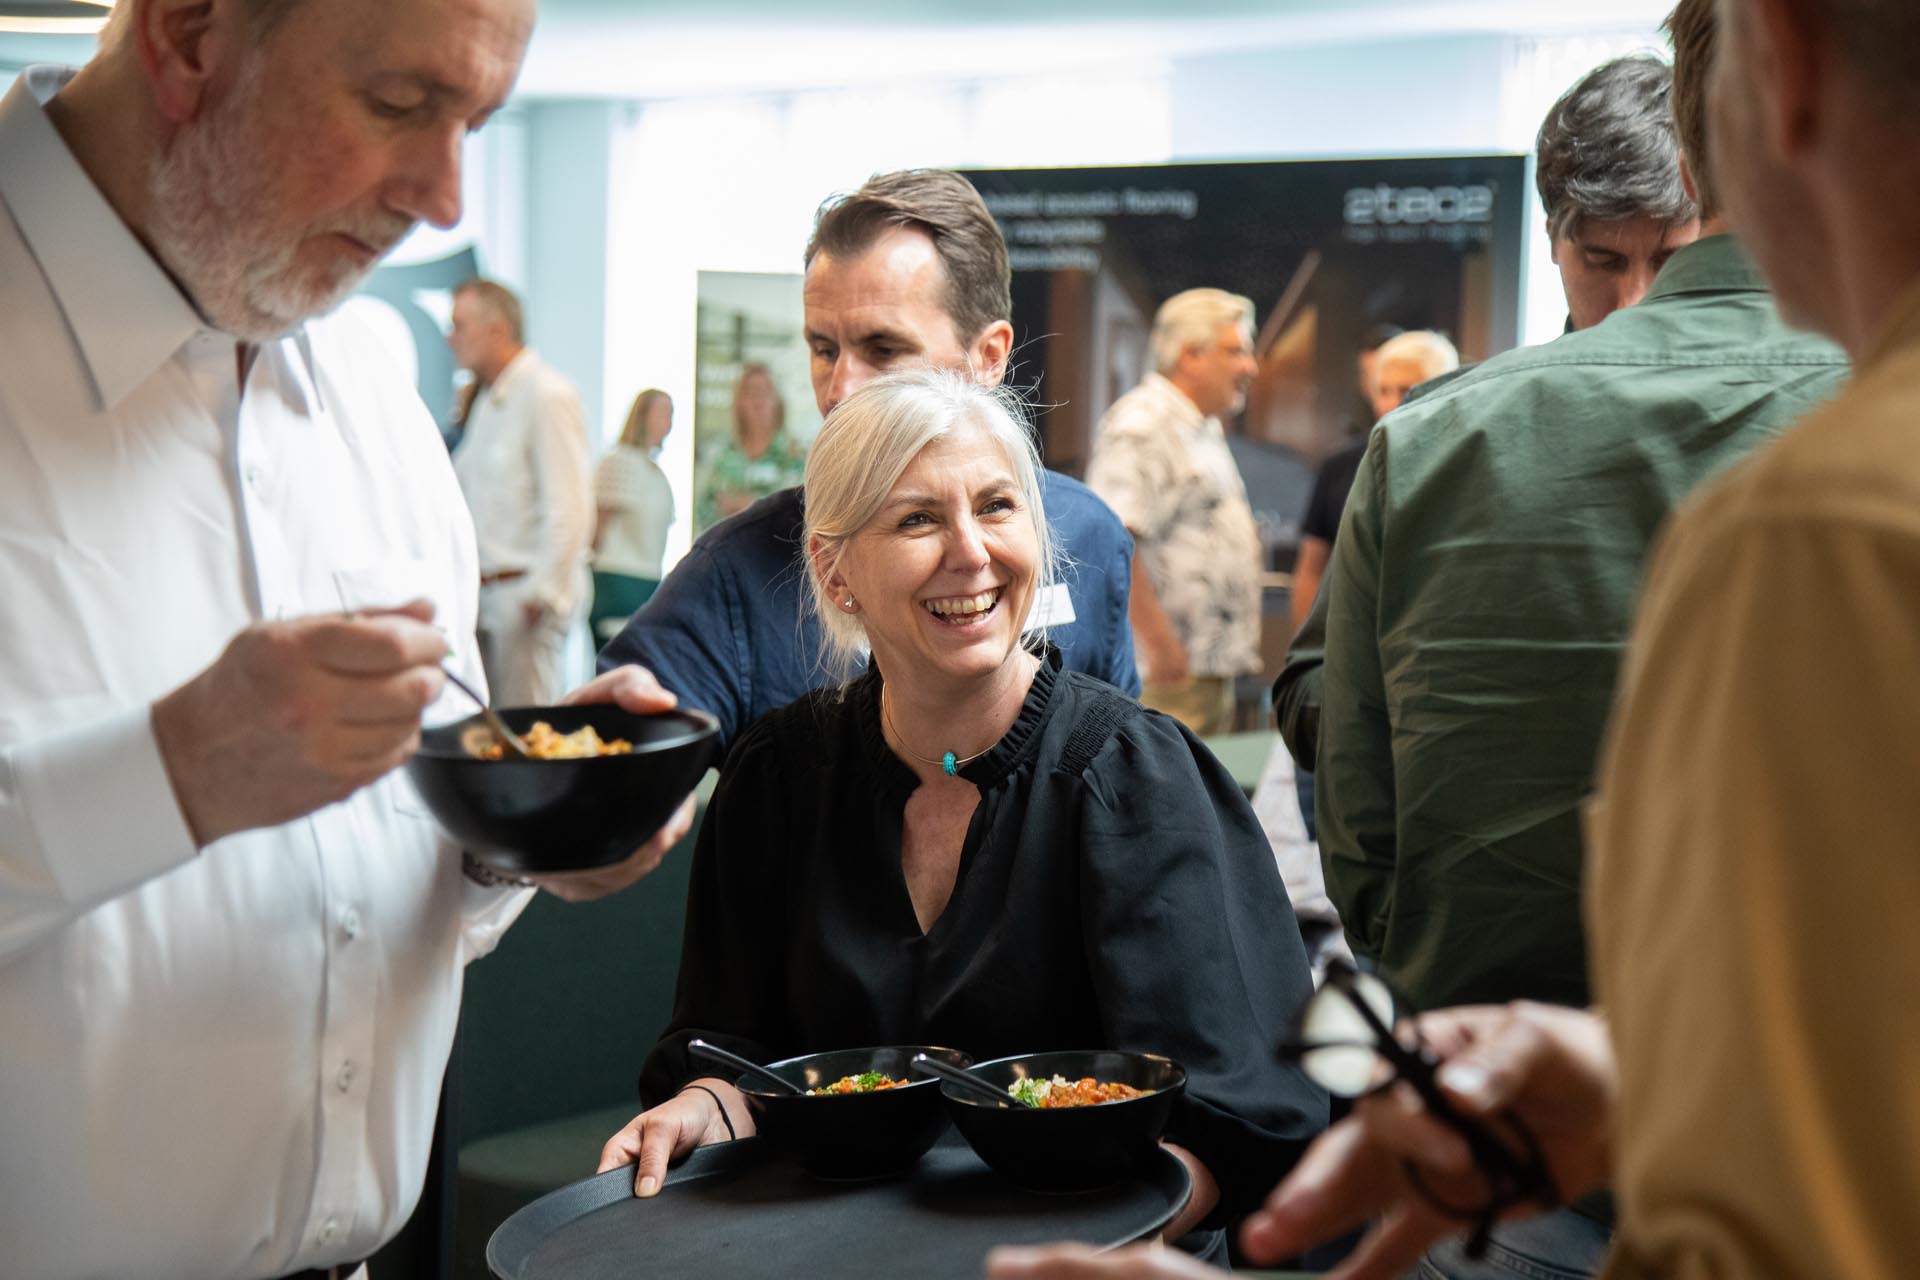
x,y
1477,606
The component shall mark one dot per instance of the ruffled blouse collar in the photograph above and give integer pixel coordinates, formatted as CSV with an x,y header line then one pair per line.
x,y
989,769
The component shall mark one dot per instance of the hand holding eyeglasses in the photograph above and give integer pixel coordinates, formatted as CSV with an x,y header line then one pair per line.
x,y
1462,1115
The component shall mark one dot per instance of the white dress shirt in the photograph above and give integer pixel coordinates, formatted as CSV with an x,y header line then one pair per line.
x,y
637,501
218,1062
523,466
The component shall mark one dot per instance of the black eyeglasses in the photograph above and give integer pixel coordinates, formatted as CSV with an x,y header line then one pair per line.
x,y
1346,1043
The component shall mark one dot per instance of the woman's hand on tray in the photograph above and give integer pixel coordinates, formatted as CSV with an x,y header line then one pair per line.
x,y
671,1131
1206,1194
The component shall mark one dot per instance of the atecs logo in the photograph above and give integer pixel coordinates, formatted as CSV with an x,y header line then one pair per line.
x,y
1387,206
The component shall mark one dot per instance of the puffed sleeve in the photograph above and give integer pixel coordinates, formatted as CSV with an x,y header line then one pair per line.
x,y
1194,949
730,990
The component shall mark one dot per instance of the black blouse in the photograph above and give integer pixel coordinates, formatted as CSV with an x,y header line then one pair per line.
x,y
1114,891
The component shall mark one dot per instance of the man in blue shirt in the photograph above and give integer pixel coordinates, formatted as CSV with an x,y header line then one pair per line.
x,y
910,269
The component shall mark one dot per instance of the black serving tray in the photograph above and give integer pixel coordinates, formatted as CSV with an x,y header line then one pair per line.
x,y
742,1211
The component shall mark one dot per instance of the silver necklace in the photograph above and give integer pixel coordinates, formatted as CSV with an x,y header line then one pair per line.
x,y
948,762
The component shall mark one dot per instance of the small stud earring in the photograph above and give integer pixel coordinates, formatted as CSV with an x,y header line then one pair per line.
x,y
848,606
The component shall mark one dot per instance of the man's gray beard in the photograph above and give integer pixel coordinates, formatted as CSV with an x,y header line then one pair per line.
x,y
207,193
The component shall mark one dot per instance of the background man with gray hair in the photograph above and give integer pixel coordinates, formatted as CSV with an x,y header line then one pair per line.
x,y
1160,459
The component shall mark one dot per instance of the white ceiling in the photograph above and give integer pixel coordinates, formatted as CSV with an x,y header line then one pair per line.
x,y
675,48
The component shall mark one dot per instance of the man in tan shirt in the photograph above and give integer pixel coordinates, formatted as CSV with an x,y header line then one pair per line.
x,y
1753,888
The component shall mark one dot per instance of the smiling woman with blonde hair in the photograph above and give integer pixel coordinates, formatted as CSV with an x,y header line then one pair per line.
x,y
968,845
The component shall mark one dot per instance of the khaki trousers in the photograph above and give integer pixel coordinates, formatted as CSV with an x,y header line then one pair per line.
x,y
1202,703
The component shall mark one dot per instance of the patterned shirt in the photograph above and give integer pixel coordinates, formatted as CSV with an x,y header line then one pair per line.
x,y
1165,469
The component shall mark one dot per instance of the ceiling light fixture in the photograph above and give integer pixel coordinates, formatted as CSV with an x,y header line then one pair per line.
x,y
54,17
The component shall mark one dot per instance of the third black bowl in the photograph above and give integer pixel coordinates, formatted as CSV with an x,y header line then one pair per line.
x,y
1069,1148
854,1135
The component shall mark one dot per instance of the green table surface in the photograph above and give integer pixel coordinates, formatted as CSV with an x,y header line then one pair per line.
x,y
1244,754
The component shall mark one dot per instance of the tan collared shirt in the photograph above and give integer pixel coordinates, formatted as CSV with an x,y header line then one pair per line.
x,y
1755,887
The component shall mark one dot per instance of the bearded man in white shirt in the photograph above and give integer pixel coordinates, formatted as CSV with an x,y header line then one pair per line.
x,y
231,943
523,465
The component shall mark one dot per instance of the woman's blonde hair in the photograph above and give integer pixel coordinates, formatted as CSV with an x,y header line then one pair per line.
x,y
634,434
867,442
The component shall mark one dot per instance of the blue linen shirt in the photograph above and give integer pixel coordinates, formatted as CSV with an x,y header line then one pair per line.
x,y
731,633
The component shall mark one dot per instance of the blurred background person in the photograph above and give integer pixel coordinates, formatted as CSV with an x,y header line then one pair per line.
x,y
1160,460
633,503
759,459
1398,365
1364,364
522,464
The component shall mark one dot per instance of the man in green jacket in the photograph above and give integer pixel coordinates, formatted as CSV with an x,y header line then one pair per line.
x,y
1478,603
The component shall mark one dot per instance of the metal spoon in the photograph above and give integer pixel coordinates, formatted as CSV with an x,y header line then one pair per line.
x,y
972,1083
514,746
714,1053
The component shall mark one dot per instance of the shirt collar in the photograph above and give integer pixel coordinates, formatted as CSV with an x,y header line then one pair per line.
x,y
1711,264
523,359
1187,411
1900,331
126,316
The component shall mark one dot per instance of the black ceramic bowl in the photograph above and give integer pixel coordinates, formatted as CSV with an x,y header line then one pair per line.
x,y
853,1135
563,815
1069,1148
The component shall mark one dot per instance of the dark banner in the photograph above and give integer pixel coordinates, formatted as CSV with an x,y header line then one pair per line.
x,y
1326,250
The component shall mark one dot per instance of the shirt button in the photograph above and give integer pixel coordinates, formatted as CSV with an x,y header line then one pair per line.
x,y
345,1078
255,477
350,923
328,1230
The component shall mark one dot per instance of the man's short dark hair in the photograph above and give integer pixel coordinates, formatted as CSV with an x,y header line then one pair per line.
x,y
1607,149
1694,29
945,206
499,300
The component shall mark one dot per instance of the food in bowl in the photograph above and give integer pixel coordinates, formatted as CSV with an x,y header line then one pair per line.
x,y
544,742
1043,1095
865,1082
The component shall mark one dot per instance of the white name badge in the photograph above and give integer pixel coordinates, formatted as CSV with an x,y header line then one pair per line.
x,y
1051,608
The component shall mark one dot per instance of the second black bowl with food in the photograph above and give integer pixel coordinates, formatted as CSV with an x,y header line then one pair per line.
x,y
1069,1148
854,1135
544,816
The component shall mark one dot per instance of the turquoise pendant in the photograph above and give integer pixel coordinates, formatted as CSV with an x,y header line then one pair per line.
x,y
948,763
